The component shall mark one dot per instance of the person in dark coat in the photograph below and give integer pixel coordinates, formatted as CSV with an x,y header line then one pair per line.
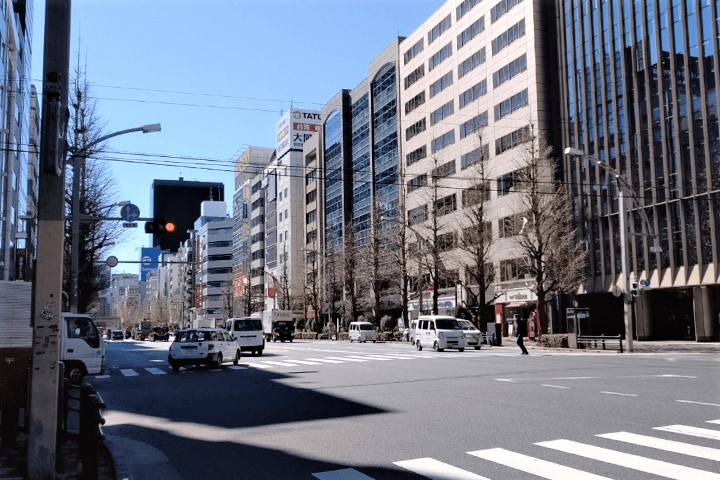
x,y
522,331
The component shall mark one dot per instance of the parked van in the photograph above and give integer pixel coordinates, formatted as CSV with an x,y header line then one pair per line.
x,y
81,347
411,331
439,332
248,333
362,332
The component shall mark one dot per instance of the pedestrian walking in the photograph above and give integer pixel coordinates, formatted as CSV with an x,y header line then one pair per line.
x,y
522,331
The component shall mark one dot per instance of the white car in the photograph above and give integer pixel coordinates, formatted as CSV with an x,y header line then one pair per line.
x,y
203,346
439,332
472,334
362,332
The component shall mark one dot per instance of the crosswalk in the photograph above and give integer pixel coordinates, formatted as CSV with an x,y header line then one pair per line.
x,y
336,358
651,460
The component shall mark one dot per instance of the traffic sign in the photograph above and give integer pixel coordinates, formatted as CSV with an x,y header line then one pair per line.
x,y
130,212
129,224
111,261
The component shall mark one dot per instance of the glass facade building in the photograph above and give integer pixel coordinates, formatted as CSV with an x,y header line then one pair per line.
x,y
639,82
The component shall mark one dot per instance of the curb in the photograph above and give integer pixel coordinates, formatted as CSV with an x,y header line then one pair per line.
x,y
135,460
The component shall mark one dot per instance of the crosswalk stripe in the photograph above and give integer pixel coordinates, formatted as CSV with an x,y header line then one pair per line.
x,y
237,367
128,372
535,466
344,474
280,364
303,362
666,445
355,358
628,460
348,359
692,431
379,357
260,365
156,371
324,360
436,470
714,421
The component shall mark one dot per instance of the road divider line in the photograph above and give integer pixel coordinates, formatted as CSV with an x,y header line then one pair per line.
x,y
555,386
437,470
713,421
620,394
692,431
665,445
628,460
534,466
699,403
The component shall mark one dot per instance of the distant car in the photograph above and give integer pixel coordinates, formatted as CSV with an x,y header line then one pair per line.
x,y
118,335
160,333
362,332
283,330
128,333
472,334
203,346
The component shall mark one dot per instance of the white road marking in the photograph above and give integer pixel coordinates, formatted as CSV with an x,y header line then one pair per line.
x,y
534,466
349,359
436,470
279,364
237,367
101,376
666,445
260,365
303,362
554,386
378,357
509,380
323,360
692,431
156,371
699,403
675,376
128,372
619,393
628,460
713,421
344,474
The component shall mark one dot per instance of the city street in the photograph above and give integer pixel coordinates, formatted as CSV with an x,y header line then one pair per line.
x,y
341,411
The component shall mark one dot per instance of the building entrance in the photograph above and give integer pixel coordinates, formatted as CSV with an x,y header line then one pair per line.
x,y
672,314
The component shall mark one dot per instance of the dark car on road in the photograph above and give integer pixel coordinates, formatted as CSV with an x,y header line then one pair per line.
x,y
117,335
283,330
160,333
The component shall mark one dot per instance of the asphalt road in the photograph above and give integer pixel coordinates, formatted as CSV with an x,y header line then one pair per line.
x,y
340,411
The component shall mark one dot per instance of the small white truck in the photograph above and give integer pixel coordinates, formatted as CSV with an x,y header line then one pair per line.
x,y
269,319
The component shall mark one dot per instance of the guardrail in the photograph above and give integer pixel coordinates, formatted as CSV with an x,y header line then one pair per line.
x,y
594,340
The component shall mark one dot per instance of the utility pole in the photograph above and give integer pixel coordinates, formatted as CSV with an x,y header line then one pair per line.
x,y
47,284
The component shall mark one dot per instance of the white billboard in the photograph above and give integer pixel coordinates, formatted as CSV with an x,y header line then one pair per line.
x,y
295,128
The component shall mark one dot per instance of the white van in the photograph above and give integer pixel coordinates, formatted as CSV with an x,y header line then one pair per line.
x,y
248,333
362,332
439,332
82,349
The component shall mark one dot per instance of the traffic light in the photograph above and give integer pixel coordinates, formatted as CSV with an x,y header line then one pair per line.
x,y
634,289
159,226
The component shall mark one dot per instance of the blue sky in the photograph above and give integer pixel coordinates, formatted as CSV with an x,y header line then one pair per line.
x,y
216,74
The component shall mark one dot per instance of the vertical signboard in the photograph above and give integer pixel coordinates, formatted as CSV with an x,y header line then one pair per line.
x,y
295,128
149,258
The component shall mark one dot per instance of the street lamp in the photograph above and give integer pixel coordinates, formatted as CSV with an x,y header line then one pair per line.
x,y
76,159
624,189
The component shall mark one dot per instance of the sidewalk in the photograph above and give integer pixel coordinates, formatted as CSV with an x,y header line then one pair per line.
x,y
669,346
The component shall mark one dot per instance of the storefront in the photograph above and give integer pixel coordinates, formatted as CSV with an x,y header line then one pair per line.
x,y
516,301
446,305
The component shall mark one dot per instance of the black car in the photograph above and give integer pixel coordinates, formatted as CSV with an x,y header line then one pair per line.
x,y
283,330
117,335
160,333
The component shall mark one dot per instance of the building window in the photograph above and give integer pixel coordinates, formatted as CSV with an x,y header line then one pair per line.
x,y
442,113
417,215
511,140
310,177
509,71
413,51
311,237
417,182
473,93
441,84
516,102
473,125
471,158
446,242
475,194
464,8
442,141
477,58
415,75
512,269
443,54
310,217
446,205
471,32
415,102
505,184
416,155
415,129
444,170
508,36
438,29
510,226
310,197
501,8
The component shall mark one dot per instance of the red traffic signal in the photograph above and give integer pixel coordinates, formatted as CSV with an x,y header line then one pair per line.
x,y
159,227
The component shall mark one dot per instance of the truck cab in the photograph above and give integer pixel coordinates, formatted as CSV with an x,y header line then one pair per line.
x,y
81,347
283,330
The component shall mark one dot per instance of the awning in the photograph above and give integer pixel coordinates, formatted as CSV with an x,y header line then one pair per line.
x,y
515,305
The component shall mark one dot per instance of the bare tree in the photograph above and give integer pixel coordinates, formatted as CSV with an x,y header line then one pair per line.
x,y
350,265
476,238
228,301
553,255
312,289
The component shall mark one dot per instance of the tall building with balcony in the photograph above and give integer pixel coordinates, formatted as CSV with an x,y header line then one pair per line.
x,y
640,93
213,232
17,189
